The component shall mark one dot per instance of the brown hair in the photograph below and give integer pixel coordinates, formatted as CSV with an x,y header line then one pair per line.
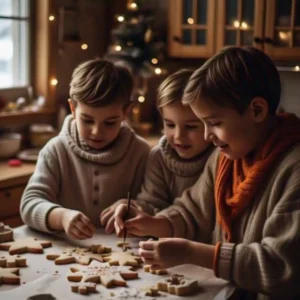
x,y
233,77
99,82
171,89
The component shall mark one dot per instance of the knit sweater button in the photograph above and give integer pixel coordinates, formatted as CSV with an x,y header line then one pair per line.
x,y
95,202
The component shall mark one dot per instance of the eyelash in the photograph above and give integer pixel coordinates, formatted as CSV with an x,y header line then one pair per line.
x,y
215,124
189,127
106,123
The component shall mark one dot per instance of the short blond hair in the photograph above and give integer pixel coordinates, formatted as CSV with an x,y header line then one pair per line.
x,y
99,82
171,89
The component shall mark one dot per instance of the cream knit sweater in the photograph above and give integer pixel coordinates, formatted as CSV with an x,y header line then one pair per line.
x,y
87,181
167,176
265,255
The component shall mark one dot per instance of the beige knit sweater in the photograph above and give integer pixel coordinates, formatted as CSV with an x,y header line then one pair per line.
x,y
87,181
167,176
265,255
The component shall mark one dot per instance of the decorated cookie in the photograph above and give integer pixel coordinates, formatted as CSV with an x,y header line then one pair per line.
x,y
9,276
6,233
8,261
122,259
75,255
84,288
177,285
24,245
122,245
99,249
105,274
147,268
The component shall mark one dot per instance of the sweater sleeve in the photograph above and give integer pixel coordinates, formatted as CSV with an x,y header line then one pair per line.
x,y
193,214
270,266
40,195
155,194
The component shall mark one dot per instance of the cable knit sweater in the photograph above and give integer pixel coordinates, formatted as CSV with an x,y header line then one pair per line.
x,y
264,255
69,174
167,176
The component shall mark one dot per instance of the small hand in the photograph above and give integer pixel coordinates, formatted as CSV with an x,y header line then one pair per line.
x,y
165,253
77,225
138,224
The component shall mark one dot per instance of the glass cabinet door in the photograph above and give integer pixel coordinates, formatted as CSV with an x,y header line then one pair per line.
x,y
240,23
282,36
191,28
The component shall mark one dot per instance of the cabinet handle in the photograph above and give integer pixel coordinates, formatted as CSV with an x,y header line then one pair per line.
x,y
177,39
270,41
7,194
258,40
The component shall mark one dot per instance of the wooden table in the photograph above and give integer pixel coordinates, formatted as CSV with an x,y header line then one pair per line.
x,y
42,276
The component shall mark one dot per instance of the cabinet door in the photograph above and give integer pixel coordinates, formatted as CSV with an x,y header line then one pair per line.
x,y
191,28
282,36
240,23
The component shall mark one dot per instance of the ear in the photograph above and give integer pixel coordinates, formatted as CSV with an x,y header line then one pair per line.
x,y
259,109
72,107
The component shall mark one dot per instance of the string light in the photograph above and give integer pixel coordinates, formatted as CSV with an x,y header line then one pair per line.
x,y
297,68
154,60
190,21
141,99
133,5
158,71
244,25
236,24
53,81
84,46
51,18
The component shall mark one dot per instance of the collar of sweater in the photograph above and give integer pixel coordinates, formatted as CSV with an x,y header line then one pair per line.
x,y
179,166
111,155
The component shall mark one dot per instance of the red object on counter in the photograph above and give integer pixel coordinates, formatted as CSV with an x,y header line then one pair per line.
x,y
14,162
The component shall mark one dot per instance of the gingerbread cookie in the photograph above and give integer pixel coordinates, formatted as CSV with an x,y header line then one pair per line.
x,y
147,268
6,233
122,259
123,245
84,288
105,274
178,285
99,249
24,245
75,255
9,276
12,261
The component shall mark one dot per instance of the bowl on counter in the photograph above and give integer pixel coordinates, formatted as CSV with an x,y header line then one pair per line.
x,y
10,144
40,134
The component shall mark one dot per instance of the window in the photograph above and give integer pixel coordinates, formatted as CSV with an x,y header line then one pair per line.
x,y
14,43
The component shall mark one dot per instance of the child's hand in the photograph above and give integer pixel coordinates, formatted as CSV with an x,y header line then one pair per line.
x,y
139,224
165,253
77,225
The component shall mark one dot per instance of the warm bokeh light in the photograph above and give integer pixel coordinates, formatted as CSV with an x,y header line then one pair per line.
x,y
190,21
158,71
118,48
141,99
51,18
84,46
154,60
53,81
120,18
297,68
133,5
236,24
244,25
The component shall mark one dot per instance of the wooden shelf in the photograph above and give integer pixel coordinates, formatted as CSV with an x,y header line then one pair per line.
x,y
15,118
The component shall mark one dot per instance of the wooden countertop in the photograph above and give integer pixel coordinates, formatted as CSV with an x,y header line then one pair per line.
x,y
11,176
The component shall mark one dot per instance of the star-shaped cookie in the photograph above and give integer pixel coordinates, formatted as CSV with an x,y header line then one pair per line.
x,y
24,245
84,288
6,233
105,274
122,259
75,255
8,261
9,276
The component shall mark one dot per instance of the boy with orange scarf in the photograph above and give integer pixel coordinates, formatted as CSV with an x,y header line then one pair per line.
x,y
242,217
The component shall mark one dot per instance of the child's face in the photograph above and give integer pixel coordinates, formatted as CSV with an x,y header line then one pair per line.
x,y
183,130
236,135
98,126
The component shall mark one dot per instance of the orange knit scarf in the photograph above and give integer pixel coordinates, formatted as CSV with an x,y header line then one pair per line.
x,y
237,181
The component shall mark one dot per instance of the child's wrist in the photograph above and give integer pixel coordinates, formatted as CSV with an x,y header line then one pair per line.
x,y
163,227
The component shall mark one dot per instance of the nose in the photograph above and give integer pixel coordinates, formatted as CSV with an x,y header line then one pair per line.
x,y
96,130
178,133
208,135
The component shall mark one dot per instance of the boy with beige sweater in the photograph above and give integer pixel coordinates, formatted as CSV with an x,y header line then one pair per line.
x,y
242,217
94,161
178,160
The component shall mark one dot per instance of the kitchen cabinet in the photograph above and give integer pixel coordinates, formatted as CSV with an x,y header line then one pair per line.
x,y
270,25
